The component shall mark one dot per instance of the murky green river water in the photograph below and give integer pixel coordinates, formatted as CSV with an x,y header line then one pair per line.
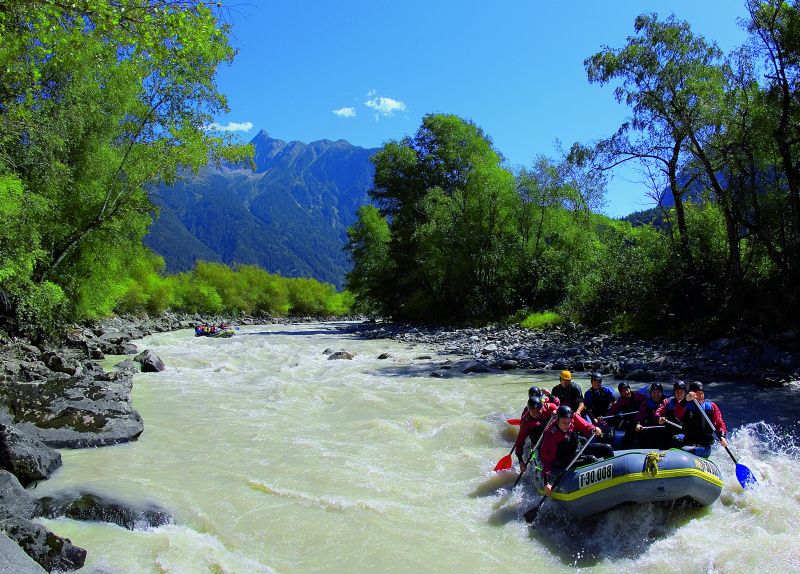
x,y
274,459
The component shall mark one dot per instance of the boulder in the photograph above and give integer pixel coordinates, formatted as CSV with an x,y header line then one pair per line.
x,y
509,364
98,508
384,356
14,499
50,551
340,355
75,412
60,363
27,458
13,559
150,362
475,367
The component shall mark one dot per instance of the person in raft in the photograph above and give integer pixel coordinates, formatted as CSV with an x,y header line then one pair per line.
x,y
561,443
672,410
568,392
697,436
649,434
624,410
597,400
531,426
536,392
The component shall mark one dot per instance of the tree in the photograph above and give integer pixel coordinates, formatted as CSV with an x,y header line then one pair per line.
x,y
666,74
98,100
451,212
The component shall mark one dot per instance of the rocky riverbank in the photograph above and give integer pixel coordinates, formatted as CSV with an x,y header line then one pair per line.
x,y
773,361
59,396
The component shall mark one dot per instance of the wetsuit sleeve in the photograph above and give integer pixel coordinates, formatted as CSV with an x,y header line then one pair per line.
x,y
524,430
547,452
661,411
615,408
716,418
641,416
586,429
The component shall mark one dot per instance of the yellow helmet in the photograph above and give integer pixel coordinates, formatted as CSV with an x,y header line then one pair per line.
x,y
566,375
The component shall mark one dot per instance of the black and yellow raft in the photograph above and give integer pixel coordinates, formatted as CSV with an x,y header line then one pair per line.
x,y
635,476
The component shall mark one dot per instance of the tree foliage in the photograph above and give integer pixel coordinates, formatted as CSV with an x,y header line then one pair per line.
x,y
97,100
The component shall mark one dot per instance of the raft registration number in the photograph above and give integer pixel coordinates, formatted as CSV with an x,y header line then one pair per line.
x,y
595,475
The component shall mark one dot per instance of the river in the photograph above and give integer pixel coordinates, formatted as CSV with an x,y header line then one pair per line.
x,y
273,458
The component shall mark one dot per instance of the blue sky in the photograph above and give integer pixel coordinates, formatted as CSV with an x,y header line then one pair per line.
x,y
367,71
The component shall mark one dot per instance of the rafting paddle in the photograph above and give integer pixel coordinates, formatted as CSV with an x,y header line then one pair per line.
x,y
530,514
514,421
743,474
533,450
505,462
619,415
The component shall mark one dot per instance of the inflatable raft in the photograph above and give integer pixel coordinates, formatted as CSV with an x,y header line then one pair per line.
x,y
635,476
216,333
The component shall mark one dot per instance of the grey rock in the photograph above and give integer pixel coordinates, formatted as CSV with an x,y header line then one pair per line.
x,y
384,356
50,551
13,559
151,363
27,458
128,365
509,364
340,355
98,508
475,367
77,412
14,499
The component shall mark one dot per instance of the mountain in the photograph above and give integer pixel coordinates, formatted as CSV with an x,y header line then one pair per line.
x,y
289,216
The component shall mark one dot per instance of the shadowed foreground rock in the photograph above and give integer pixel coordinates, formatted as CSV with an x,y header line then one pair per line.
x,y
13,559
98,508
51,551
92,409
27,458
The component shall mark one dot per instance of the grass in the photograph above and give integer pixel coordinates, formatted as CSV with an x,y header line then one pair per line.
x,y
538,321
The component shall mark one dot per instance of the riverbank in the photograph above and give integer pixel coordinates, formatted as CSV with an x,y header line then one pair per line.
x,y
61,397
767,362
56,396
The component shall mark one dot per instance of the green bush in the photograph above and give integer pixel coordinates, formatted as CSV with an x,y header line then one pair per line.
x,y
539,321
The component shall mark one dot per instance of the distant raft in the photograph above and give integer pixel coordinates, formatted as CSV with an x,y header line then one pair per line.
x,y
215,332
635,476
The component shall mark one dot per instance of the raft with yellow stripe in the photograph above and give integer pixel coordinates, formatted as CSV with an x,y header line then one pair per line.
x,y
635,476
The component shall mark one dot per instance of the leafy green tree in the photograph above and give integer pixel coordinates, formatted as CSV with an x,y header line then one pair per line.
x,y
669,77
451,212
98,100
368,245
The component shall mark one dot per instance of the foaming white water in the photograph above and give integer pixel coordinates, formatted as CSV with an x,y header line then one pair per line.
x,y
274,458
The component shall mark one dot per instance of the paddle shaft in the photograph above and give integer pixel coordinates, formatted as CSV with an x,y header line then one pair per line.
x,y
669,422
716,433
530,515
533,450
619,415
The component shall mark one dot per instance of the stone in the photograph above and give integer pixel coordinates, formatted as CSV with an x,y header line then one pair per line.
x,y
340,355
52,552
384,356
509,364
151,363
475,367
98,508
26,457
14,499
13,559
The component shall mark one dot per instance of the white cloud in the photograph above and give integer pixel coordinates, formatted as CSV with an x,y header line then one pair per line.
x,y
231,127
384,106
345,112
